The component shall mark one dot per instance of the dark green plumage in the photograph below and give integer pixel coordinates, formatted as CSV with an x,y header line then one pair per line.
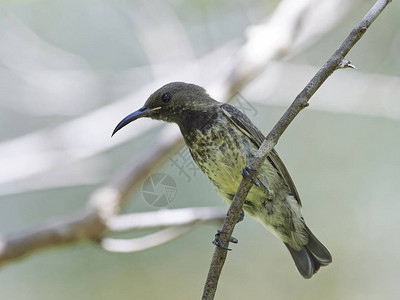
x,y
221,140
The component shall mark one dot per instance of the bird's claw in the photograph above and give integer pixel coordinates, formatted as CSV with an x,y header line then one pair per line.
x,y
217,241
241,217
248,172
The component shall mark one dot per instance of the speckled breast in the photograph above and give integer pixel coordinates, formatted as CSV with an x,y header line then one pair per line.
x,y
220,152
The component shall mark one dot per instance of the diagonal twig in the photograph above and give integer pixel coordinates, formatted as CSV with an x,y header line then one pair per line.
x,y
336,61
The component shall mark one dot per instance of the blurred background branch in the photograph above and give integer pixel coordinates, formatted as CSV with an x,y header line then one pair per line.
x,y
177,222
88,225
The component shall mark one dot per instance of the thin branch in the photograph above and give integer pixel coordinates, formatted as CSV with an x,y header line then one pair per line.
x,y
282,79
57,232
301,101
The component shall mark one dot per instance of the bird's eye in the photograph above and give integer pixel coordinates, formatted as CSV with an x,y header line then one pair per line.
x,y
166,97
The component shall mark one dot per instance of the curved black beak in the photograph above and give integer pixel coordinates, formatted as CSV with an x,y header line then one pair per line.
x,y
141,112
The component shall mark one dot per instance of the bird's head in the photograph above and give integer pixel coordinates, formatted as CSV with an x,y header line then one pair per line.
x,y
172,103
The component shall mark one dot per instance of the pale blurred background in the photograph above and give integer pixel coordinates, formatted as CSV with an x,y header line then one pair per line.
x,y
71,70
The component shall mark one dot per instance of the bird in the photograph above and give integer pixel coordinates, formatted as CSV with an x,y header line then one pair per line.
x,y
222,140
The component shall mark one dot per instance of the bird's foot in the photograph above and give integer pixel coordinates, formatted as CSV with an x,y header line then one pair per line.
x,y
217,241
248,172
241,217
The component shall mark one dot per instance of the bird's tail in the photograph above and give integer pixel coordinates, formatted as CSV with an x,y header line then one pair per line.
x,y
311,256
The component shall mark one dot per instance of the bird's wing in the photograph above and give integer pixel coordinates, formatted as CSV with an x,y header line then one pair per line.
x,y
255,135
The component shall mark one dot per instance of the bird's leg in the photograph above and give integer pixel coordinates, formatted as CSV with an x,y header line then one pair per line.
x,y
248,172
217,241
241,217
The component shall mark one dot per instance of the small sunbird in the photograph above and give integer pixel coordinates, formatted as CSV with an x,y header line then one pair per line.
x,y
222,140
